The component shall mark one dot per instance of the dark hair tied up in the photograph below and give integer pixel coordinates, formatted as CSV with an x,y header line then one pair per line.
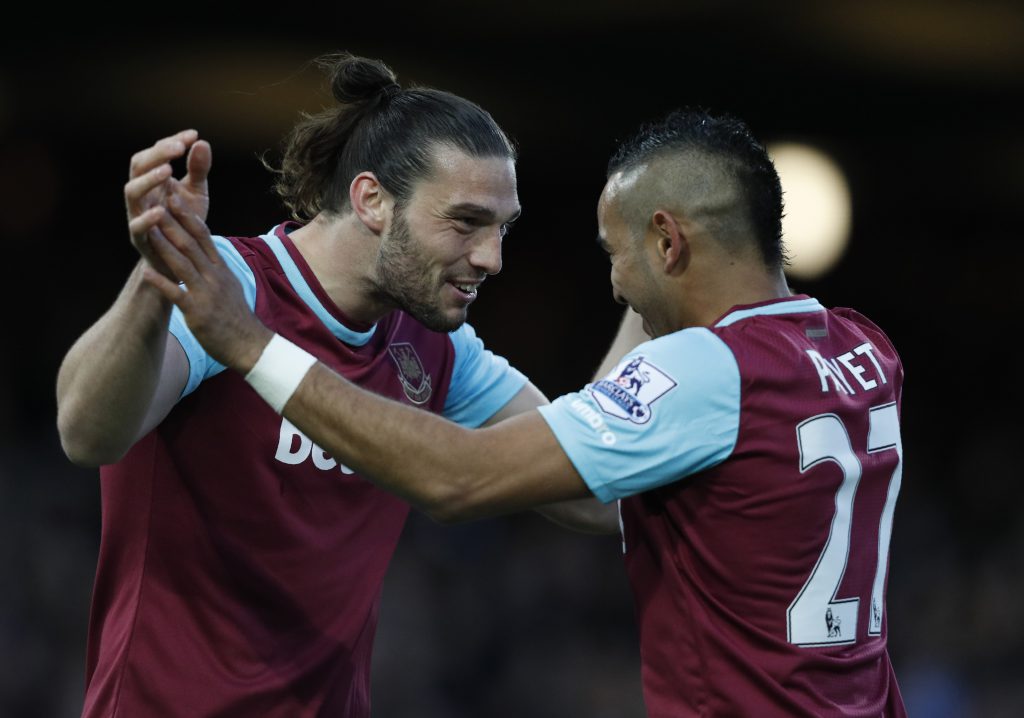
x,y
376,127
359,79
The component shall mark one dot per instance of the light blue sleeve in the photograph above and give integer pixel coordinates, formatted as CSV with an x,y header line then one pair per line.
x,y
202,366
482,383
671,408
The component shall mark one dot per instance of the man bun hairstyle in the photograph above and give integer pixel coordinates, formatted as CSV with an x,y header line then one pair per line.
x,y
376,126
358,79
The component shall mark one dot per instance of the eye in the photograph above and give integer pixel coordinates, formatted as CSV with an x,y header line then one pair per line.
x,y
466,224
505,229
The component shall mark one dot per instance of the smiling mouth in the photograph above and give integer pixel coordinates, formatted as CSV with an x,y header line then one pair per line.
x,y
467,289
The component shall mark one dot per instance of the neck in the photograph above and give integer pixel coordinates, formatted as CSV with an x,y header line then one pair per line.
x,y
712,294
342,254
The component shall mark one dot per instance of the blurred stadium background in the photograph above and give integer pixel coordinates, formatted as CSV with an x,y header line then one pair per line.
x,y
918,102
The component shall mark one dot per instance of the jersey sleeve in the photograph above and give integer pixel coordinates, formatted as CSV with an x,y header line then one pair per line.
x,y
482,382
671,408
202,366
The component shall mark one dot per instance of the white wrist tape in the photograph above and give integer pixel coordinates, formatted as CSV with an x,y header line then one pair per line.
x,y
279,371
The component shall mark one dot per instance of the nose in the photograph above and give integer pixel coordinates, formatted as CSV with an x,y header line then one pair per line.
x,y
486,252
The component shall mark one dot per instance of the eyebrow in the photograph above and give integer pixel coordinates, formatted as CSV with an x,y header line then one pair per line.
x,y
485,214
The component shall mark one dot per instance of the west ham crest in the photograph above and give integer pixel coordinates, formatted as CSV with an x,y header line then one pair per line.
x,y
629,391
415,381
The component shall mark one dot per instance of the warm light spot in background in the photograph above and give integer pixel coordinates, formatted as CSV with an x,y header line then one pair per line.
x,y
816,228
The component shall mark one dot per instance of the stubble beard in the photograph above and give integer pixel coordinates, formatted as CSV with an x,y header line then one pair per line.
x,y
400,269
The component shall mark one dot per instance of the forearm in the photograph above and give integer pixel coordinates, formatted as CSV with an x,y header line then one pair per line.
x,y
449,472
590,515
428,462
107,381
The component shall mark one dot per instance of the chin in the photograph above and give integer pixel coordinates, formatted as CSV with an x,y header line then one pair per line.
x,y
441,321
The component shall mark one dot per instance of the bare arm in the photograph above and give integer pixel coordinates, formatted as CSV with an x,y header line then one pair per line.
x,y
120,378
457,474
123,375
449,472
586,515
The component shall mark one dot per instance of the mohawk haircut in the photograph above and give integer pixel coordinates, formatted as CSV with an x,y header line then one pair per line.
x,y
703,154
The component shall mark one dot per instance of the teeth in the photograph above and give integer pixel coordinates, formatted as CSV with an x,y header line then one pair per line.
x,y
467,288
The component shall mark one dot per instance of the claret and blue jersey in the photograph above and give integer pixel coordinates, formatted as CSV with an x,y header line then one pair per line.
x,y
757,463
240,565
481,382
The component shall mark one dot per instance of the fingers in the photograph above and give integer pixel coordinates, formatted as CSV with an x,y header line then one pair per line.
x,y
163,151
188,249
171,291
151,167
195,228
140,226
200,159
171,245
137,188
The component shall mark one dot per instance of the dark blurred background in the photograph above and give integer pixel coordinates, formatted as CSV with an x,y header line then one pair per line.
x,y
918,102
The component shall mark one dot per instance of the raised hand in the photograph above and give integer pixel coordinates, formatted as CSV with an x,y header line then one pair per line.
x,y
151,183
211,298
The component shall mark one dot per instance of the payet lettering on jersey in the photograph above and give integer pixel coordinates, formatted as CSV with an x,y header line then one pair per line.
x,y
856,370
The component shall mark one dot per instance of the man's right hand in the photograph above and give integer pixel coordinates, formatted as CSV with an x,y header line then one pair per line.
x,y
211,300
151,182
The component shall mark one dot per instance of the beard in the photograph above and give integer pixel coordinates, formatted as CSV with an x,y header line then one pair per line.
x,y
403,280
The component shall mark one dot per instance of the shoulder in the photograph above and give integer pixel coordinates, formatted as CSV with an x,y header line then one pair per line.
x,y
678,357
685,365
254,252
870,328
686,345
244,246
465,338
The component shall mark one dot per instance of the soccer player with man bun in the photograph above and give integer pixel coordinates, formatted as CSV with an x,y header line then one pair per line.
x,y
241,565
753,443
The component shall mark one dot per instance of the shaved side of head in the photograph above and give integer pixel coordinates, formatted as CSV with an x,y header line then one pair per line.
x,y
691,184
709,170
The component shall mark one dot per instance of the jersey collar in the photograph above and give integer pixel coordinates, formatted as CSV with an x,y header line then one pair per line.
x,y
308,288
797,304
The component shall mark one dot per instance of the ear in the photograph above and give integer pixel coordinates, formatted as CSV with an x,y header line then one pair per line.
x,y
672,244
370,201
